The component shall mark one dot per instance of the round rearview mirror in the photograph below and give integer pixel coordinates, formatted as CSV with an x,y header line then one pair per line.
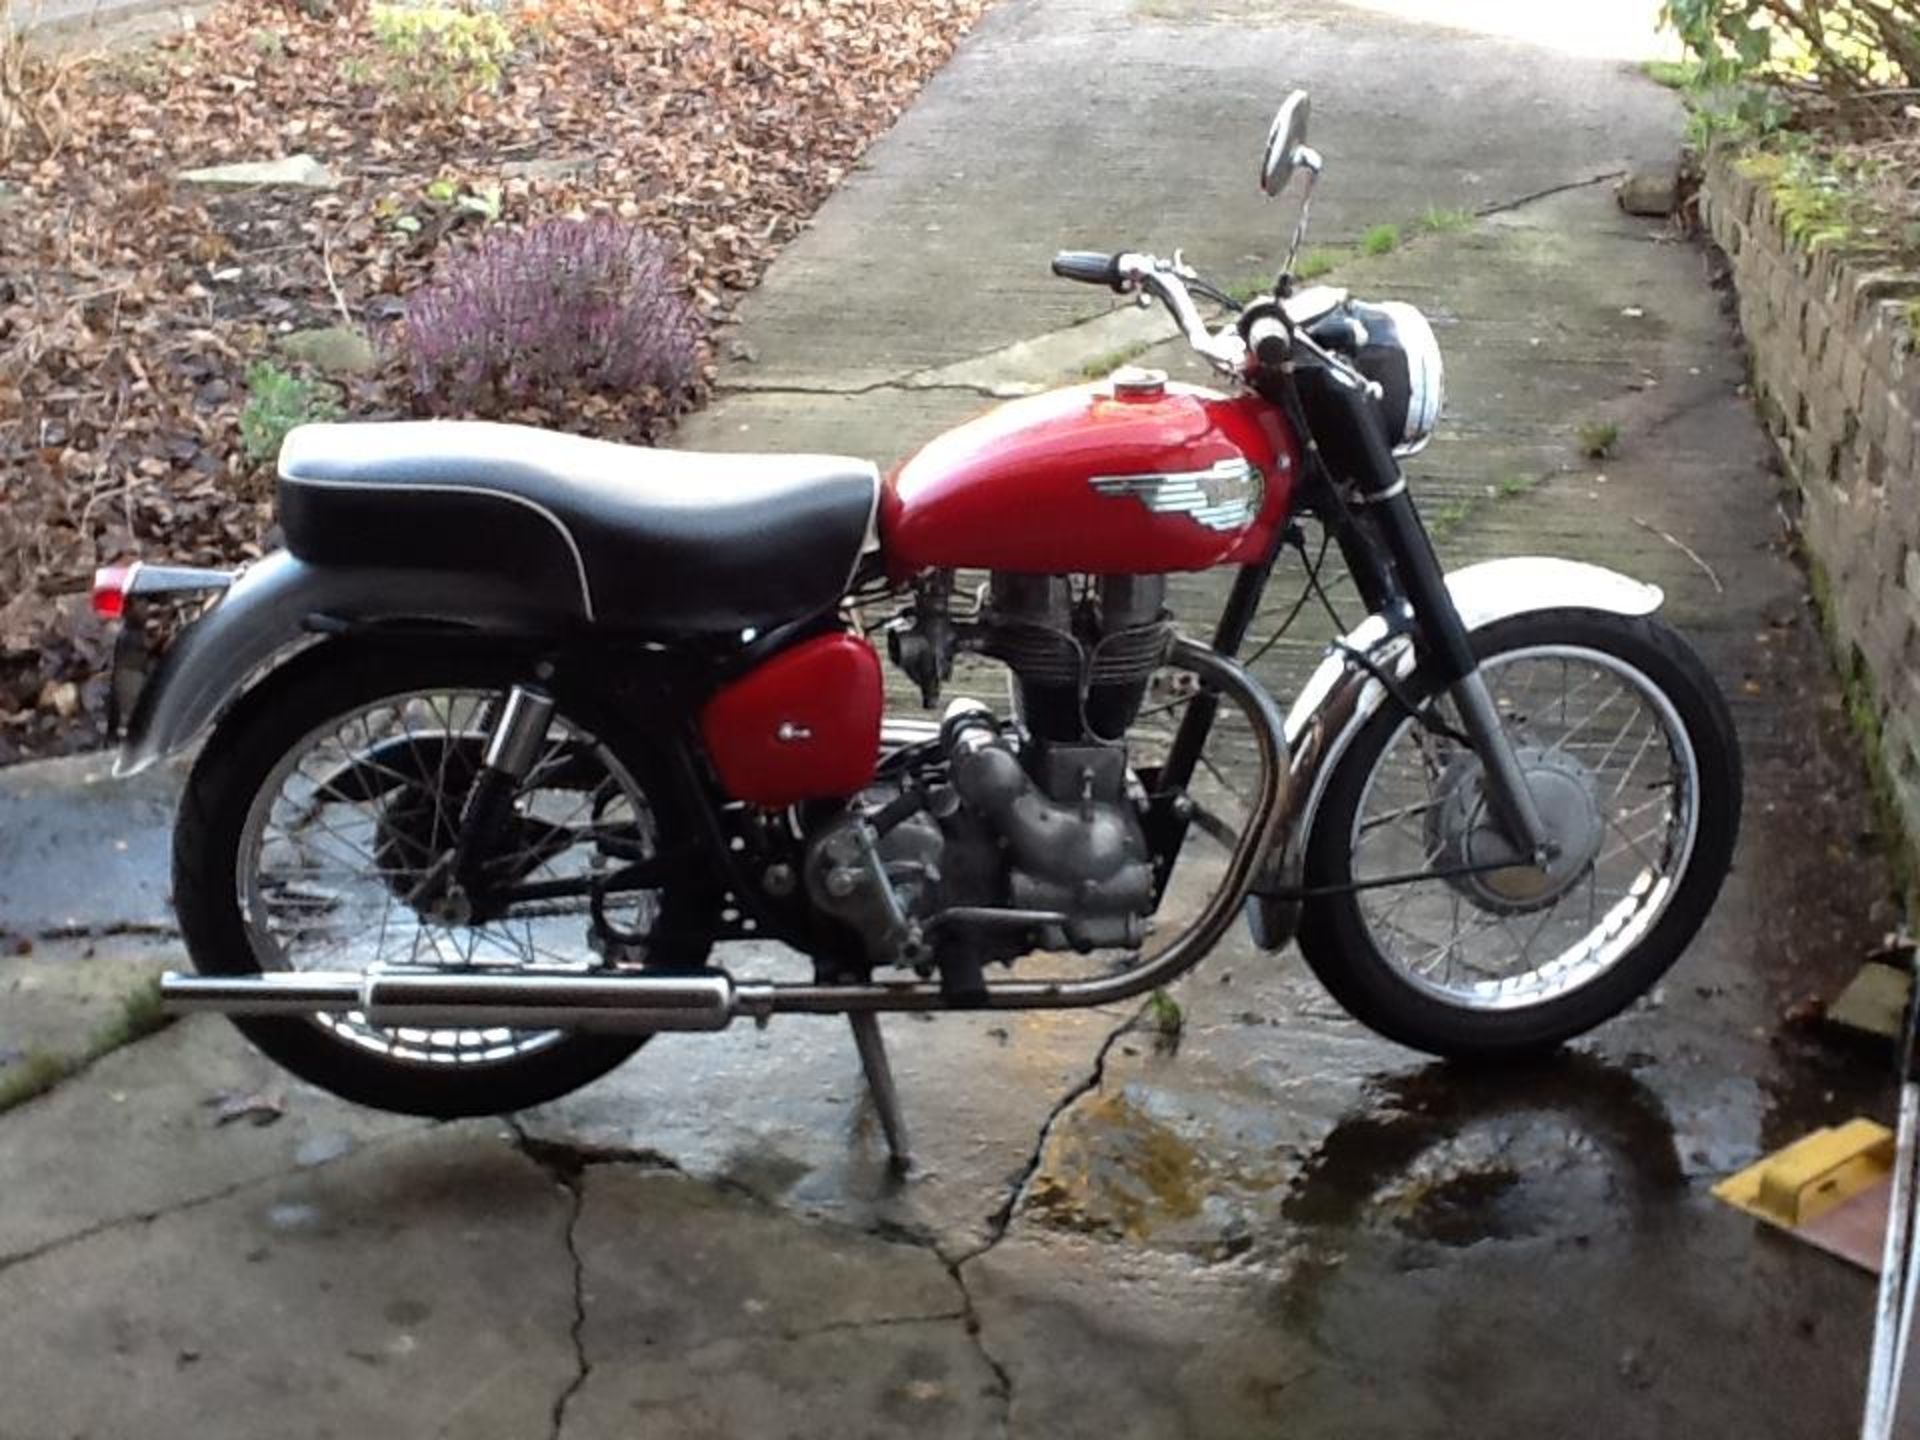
x,y
1285,139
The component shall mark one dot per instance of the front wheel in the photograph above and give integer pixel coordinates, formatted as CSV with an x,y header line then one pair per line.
x,y
1631,756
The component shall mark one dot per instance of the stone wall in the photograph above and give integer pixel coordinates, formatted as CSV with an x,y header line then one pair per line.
x,y
1838,383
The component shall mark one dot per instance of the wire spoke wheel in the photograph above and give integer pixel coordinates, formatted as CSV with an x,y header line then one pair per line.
x,y
1579,719
319,829
1630,756
343,847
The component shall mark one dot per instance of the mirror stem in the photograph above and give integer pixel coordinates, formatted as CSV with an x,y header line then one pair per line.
x,y
1300,225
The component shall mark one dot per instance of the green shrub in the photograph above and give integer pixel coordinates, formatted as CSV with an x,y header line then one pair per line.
x,y
439,54
276,402
1847,46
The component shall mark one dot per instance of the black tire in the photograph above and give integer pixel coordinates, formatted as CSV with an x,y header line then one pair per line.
x,y
241,755
1340,947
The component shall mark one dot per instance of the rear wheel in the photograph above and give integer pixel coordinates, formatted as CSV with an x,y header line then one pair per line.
x,y
1633,762
308,840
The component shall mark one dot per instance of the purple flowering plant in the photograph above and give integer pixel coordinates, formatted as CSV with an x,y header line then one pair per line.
x,y
551,312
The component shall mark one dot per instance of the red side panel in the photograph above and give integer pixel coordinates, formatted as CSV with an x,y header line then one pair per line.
x,y
803,726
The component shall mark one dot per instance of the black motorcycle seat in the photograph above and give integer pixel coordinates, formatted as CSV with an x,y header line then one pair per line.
x,y
618,535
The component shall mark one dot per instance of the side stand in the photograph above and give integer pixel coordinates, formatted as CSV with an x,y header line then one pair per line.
x,y
873,1061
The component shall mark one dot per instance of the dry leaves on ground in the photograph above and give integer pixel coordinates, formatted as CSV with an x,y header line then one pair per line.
x,y
131,305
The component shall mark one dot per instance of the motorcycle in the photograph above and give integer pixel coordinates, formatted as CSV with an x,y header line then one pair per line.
x,y
519,725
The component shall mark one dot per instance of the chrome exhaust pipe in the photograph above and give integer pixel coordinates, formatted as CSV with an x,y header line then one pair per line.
x,y
434,1000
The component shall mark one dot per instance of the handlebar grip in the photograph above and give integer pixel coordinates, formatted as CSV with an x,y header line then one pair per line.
x,y
1089,267
1269,341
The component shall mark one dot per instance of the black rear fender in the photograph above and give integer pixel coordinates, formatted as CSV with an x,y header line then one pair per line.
x,y
280,606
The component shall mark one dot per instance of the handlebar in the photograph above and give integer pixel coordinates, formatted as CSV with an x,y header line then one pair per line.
x,y
1129,273
1270,341
1089,267
1269,338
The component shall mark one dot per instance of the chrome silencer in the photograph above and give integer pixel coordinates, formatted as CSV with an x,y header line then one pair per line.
x,y
475,999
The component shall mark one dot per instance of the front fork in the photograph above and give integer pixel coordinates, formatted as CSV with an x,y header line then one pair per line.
x,y
1393,563
1448,657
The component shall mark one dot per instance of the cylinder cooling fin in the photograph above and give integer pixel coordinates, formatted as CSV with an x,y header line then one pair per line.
x,y
1082,648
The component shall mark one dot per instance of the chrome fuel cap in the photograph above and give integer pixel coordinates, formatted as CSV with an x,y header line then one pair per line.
x,y
1133,382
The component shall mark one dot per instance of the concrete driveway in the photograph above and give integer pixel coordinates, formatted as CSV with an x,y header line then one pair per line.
x,y
1278,1226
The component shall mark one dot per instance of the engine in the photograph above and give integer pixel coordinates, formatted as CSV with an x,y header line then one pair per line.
x,y
998,838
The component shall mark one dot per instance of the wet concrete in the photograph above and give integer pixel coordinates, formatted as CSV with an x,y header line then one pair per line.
x,y
166,1125
60,994
83,853
783,1114
416,1281
1270,1223
732,1320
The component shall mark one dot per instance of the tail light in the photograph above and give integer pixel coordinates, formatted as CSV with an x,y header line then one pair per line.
x,y
111,586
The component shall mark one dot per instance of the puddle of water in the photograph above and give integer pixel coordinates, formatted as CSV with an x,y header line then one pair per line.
x,y
1458,1156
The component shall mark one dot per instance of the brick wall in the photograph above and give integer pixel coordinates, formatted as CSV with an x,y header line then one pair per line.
x,y
1838,382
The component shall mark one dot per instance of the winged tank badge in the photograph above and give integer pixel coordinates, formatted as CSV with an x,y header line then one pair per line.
x,y
1224,496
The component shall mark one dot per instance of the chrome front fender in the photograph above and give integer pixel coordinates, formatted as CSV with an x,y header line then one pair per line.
x,y
280,606
1342,696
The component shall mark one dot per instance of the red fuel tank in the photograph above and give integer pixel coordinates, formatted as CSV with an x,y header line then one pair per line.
x,y
805,725
1096,479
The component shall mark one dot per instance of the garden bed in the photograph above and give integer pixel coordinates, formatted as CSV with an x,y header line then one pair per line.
x,y
135,306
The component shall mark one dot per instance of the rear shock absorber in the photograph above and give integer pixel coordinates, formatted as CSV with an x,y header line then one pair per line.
x,y
511,751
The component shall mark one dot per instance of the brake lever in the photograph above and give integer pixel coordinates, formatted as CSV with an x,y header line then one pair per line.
x,y
1226,351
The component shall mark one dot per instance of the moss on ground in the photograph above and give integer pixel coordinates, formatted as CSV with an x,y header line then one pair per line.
x,y
138,1016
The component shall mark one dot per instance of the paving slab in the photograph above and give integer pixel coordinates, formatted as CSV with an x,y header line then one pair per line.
x,y
1137,124
83,852
1098,1341
784,1113
423,1289
142,1132
709,1313
57,996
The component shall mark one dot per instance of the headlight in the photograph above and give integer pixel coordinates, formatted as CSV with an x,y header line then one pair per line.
x,y
1401,356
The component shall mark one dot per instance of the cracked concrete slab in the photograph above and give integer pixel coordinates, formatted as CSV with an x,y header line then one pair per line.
x,y
418,1289
1333,1171
140,1132
916,1378
784,1114
1190,1144
57,995
1136,124
708,1313
1099,1341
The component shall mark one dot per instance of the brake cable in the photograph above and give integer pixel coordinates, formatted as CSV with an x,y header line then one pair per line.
x,y
1421,714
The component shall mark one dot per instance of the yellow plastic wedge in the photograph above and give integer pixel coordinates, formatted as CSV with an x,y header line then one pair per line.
x,y
1802,1182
